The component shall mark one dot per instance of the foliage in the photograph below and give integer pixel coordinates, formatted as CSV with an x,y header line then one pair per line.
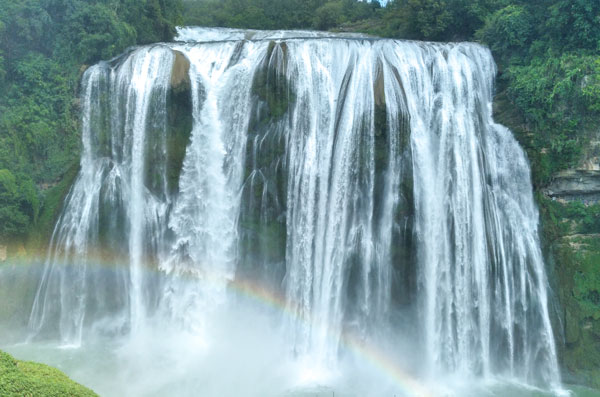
x,y
560,98
571,217
587,282
19,204
277,14
574,24
550,71
571,231
22,378
508,30
329,15
94,32
421,19
418,19
43,47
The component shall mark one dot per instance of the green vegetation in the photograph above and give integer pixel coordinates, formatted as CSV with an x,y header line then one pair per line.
x,y
415,19
550,70
21,378
570,230
44,47
582,219
19,204
277,14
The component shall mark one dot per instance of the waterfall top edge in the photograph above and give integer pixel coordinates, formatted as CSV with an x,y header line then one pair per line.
x,y
208,34
203,35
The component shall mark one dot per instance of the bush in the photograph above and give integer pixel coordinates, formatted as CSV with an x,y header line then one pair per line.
x,y
560,98
508,31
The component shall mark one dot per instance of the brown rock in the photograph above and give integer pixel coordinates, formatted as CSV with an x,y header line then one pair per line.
x,y
181,67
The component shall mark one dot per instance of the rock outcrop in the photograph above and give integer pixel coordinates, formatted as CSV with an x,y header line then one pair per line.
x,y
576,185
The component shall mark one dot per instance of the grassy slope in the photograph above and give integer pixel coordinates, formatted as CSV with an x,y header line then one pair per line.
x,y
21,378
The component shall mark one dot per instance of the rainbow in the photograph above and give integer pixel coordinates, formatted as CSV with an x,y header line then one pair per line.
x,y
407,384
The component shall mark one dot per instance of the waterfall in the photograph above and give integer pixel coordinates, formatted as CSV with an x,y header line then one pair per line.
x,y
362,180
117,206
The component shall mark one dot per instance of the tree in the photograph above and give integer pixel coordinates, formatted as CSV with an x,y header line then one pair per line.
x,y
329,15
575,24
508,31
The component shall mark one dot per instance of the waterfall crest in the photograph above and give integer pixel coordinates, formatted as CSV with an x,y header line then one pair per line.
x,y
362,180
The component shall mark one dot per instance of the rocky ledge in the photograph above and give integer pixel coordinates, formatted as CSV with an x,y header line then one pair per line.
x,y
575,185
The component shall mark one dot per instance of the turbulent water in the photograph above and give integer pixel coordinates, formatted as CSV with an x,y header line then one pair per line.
x,y
358,186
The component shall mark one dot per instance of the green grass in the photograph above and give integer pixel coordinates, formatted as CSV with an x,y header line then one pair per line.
x,y
23,378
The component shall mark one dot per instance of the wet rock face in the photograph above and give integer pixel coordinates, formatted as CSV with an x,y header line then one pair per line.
x,y
179,122
180,76
576,185
169,128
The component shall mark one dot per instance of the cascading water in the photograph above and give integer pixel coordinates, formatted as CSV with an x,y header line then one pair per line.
x,y
118,203
361,180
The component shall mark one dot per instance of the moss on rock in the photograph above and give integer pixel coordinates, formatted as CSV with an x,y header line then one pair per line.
x,y
578,259
263,214
271,83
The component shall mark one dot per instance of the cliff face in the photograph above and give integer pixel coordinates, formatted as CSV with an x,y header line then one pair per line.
x,y
569,208
582,182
